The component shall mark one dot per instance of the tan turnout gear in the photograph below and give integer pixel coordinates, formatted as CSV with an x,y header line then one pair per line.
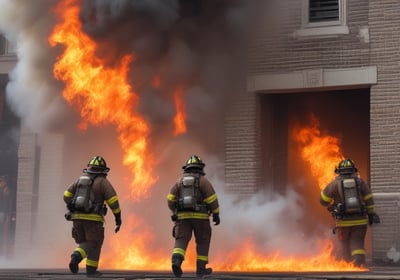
x,y
88,229
350,201
192,200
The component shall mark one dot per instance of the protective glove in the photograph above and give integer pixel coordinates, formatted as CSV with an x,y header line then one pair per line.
x,y
174,217
117,221
373,219
216,219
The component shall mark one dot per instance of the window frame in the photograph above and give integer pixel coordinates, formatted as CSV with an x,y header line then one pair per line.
x,y
323,28
10,49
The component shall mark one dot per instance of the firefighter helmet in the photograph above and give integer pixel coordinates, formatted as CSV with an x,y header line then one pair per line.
x,y
97,165
346,166
194,163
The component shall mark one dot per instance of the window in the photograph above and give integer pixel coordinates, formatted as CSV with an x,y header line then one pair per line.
x,y
323,11
323,18
7,47
2,45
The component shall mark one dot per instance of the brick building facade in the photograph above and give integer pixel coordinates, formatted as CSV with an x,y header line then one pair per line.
x,y
359,57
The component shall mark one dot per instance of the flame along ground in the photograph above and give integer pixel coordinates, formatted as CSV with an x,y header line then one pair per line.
x,y
103,96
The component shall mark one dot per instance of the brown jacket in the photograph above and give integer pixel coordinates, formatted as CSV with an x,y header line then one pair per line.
x,y
332,195
103,192
209,197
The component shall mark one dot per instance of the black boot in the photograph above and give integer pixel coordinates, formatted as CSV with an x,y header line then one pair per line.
x,y
92,272
202,270
76,258
176,265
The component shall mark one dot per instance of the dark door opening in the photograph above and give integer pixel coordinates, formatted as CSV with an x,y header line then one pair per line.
x,y
341,113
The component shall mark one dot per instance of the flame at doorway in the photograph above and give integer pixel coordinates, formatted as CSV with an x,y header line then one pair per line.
x,y
321,151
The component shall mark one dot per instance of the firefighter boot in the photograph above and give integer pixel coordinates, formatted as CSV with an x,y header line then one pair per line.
x,y
359,260
92,272
74,262
202,270
176,265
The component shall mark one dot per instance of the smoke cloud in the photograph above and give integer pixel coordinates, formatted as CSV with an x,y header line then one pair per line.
x,y
197,44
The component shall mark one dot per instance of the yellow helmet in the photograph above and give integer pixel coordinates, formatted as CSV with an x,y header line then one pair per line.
x,y
194,162
97,165
346,166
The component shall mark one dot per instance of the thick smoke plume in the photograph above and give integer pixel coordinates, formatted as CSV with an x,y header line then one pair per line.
x,y
199,45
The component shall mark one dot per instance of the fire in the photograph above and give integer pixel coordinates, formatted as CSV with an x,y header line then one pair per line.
x,y
180,116
321,152
252,260
102,95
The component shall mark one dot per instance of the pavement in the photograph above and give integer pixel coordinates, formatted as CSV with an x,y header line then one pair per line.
x,y
391,272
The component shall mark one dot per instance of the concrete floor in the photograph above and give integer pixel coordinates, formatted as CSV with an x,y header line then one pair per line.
x,y
378,272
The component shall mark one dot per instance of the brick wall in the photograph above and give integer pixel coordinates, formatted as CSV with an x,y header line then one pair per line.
x,y
384,22
27,194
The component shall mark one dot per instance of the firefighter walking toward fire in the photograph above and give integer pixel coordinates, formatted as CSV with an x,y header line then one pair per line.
x,y
351,203
86,200
192,200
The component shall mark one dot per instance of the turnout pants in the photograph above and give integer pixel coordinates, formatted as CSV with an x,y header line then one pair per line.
x,y
183,233
351,243
89,235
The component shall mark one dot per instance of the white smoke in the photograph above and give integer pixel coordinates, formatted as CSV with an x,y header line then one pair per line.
x,y
32,92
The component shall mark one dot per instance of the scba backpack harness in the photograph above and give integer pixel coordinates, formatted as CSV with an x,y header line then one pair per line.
x,y
83,199
190,197
352,204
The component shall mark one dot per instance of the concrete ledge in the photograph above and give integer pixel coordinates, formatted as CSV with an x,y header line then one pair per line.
x,y
313,79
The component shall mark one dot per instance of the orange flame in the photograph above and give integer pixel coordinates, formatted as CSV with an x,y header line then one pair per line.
x,y
102,95
322,152
252,260
180,116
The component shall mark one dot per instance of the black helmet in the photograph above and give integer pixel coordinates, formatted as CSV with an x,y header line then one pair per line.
x,y
194,163
97,165
346,166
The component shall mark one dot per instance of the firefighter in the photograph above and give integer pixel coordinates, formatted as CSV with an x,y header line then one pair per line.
x,y
86,201
192,200
351,203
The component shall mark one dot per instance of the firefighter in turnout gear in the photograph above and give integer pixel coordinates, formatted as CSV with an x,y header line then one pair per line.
x,y
351,203
192,200
86,201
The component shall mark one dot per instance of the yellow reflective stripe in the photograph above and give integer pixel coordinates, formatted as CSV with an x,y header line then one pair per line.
x,y
192,215
81,252
116,211
210,199
202,258
92,263
326,198
216,211
179,251
68,194
368,196
89,217
358,252
171,197
349,223
369,207
112,200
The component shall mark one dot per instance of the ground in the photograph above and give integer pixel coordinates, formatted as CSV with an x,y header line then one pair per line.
x,y
378,272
